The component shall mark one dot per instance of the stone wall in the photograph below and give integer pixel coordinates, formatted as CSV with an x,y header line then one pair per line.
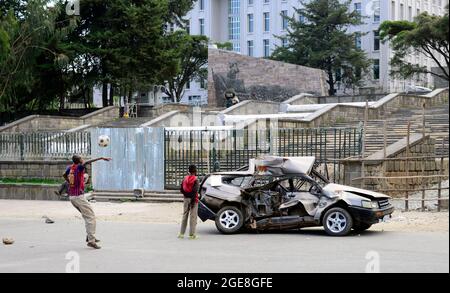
x,y
28,192
259,79
54,123
374,166
33,169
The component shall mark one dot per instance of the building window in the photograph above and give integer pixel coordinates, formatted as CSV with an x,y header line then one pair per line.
x,y
393,10
188,85
202,83
402,11
188,26
284,42
410,16
376,11
234,24
376,69
250,23
358,40
284,20
202,26
250,48
376,40
301,18
266,21
358,8
266,1
250,2
266,46
195,100
202,4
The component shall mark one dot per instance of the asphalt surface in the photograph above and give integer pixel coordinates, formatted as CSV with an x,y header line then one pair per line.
x,y
145,247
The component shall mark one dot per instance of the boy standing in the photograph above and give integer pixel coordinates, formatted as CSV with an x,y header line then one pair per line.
x,y
189,189
74,177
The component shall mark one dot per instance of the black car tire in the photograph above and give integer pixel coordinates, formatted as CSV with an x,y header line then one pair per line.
x,y
360,227
229,216
337,222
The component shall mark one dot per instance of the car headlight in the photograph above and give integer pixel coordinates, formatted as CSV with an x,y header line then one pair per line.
x,y
369,204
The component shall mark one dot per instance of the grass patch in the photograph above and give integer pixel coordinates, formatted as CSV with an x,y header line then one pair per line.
x,y
38,181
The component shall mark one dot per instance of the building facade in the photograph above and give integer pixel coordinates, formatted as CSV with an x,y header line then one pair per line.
x,y
252,26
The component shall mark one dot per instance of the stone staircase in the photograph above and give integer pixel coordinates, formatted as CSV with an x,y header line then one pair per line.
x,y
166,196
436,125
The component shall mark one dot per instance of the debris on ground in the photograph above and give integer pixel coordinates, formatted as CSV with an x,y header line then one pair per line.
x,y
48,220
8,241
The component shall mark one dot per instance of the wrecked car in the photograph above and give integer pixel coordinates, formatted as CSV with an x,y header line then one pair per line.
x,y
281,193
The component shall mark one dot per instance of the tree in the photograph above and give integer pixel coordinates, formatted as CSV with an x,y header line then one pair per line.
x,y
190,54
225,46
123,43
322,41
427,35
31,57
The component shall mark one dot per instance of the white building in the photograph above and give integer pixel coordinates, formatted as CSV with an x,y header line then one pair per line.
x,y
252,26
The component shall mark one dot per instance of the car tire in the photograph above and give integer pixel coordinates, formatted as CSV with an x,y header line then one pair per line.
x,y
360,227
229,220
337,222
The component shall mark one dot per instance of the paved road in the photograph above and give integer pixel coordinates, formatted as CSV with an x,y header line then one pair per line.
x,y
144,247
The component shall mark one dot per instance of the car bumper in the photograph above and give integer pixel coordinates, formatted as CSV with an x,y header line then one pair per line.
x,y
370,216
204,213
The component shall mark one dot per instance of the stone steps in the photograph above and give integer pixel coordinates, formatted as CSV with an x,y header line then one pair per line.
x,y
436,125
166,196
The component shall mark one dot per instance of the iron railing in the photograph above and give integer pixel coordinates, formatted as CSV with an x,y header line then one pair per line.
x,y
44,145
227,150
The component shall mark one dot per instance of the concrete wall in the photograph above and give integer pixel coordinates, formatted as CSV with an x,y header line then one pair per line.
x,y
381,109
252,108
183,119
154,112
259,79
52,123
33,169
28,192
307,99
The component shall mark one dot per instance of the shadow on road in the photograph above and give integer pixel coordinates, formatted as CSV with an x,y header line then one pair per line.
x,y
318,232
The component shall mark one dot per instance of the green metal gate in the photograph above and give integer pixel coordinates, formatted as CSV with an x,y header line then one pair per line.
x,y
227,150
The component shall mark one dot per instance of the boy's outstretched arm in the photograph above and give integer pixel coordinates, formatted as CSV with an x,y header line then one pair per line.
x,y
95,160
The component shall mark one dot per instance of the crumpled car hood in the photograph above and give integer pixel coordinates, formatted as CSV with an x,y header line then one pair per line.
x,y
336,188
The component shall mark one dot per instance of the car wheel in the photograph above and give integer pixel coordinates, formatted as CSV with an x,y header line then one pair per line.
x,y
360,227
337,222
229,220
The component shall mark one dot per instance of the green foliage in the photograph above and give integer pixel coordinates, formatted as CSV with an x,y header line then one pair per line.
x,y
225,46
322,41
191,56
31,55
47,56
428,35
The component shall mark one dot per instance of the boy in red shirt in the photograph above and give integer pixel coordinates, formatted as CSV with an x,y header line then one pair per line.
x,y
74,176
189,189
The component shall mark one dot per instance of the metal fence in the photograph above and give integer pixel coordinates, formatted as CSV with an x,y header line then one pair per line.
x,y
44,145
227,150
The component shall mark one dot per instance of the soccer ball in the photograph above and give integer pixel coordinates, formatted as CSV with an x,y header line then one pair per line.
x,y
103,140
